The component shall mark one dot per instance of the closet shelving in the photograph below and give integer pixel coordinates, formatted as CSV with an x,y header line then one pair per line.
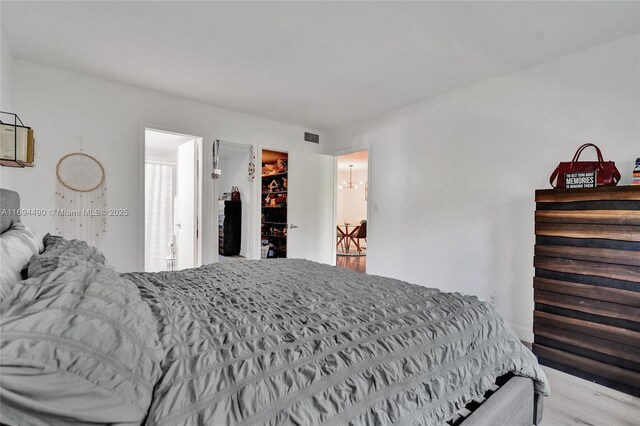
x,y
274,203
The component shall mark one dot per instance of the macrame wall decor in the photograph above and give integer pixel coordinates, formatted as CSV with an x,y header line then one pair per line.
x,y
81,198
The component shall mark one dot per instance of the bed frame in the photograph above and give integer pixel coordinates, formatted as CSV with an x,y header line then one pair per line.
x,y
510,402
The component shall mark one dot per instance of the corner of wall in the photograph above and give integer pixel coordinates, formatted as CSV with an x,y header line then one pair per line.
x,y
525,334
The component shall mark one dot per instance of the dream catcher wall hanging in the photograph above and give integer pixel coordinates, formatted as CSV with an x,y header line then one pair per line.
x,y
81,198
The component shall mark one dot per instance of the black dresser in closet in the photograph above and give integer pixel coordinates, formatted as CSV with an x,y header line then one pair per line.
x,y
230,228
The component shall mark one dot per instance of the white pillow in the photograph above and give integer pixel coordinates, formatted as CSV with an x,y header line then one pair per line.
x,y
17,245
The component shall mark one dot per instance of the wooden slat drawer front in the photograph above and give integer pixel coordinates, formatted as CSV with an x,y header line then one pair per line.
x,y
616,374
587,283
603,217
589,205
571,230
594,194
633,246
590,306
606,332
595,292
583,267
592,343
621,257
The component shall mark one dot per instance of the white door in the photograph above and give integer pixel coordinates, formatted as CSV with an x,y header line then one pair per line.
x,y
185,208
310,207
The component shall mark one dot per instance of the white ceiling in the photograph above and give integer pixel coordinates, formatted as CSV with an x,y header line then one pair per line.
x,y
359,160
160,144
314,64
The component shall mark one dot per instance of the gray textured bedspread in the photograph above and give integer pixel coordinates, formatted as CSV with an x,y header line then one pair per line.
x,y
295,342
78,345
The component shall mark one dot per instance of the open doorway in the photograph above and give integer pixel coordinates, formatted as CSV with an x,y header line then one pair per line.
x,y
297,205
172,201
234,201
351,210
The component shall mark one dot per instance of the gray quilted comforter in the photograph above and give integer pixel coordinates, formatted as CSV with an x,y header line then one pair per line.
x,y
241,343
295,342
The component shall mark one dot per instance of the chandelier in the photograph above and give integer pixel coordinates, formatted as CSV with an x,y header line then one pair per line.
x,y
351,184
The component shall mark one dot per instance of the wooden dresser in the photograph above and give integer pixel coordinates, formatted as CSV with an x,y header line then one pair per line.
x,y
587,284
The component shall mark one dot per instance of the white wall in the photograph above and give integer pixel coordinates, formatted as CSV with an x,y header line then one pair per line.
x,y
62,106
453,178
6,96
6,74
234,173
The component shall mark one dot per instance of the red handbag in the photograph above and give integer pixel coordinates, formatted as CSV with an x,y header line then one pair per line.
x,y
606,172
235,193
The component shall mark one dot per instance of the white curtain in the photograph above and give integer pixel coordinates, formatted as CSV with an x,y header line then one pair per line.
x,y
158,224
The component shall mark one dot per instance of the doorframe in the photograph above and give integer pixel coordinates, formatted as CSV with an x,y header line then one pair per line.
x,y
251,252
345,151
258,197
141,186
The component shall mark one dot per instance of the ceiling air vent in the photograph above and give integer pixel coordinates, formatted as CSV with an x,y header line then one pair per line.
x,y
310,137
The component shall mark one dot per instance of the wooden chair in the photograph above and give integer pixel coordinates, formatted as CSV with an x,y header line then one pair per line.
x,y
359,233
341,236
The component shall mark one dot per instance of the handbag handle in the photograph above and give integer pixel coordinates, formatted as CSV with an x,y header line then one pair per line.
x,y
583,147
553,176
616,175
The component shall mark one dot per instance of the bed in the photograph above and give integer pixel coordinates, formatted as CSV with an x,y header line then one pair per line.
x,y
251,342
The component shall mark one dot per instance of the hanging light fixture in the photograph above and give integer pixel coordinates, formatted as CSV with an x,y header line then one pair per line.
x,y
351,184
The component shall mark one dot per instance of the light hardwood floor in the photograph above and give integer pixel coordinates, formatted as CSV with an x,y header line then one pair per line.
x,y
575,401
355,263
